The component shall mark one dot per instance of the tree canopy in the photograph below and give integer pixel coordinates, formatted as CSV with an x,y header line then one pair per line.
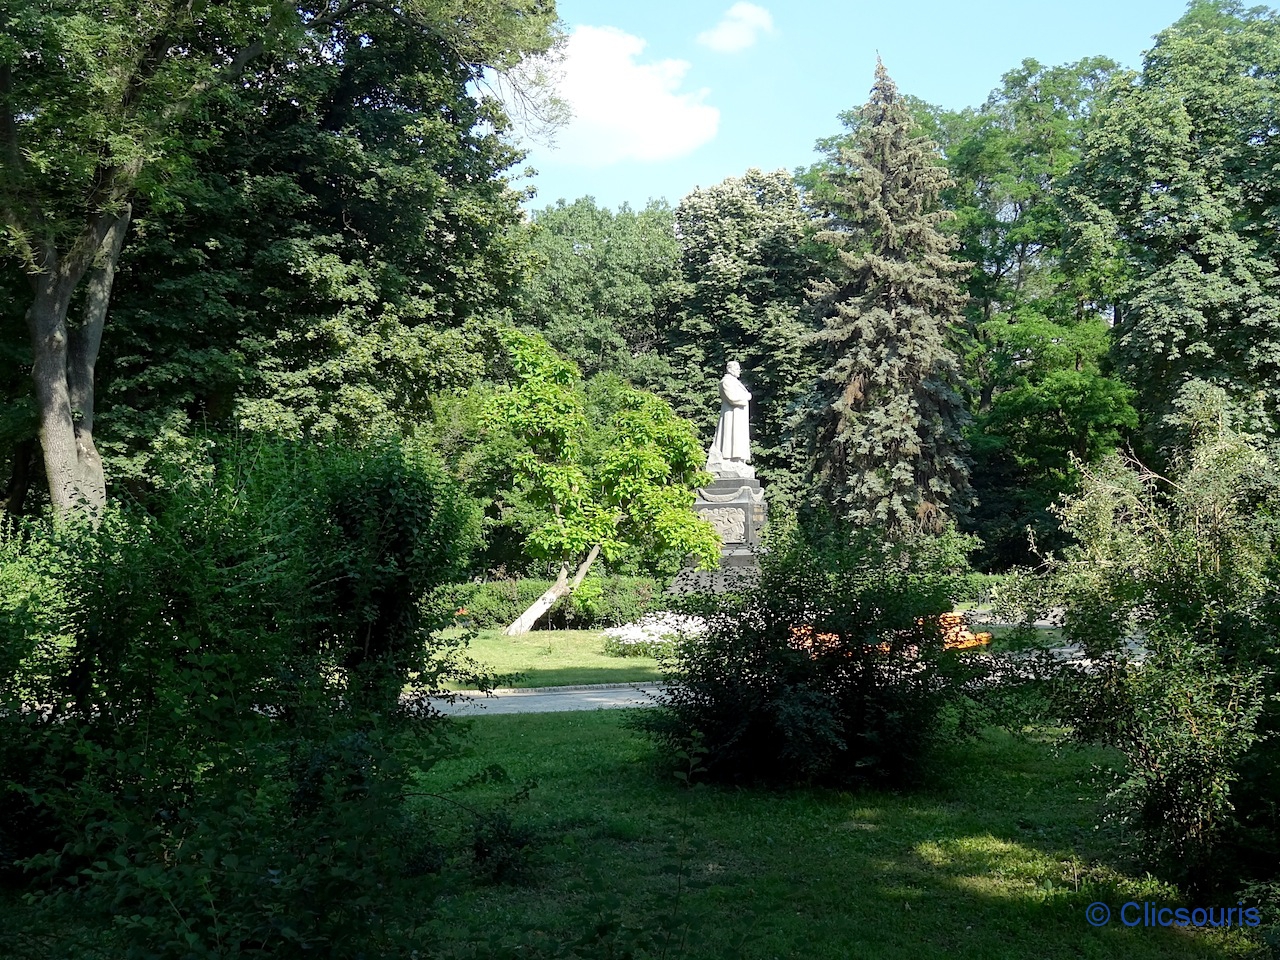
x,y
1173,206
603,284
298,221
622,482
105,108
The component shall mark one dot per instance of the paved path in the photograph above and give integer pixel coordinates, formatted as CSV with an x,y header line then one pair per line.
x,y
596,696
612,696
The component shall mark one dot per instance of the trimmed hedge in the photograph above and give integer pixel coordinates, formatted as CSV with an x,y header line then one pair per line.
x,y
607,601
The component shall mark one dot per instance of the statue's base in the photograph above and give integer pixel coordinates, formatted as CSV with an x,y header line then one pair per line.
x,y
724,469
736,507
724,580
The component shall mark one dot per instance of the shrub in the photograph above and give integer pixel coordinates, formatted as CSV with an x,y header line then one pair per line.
x,y
1188,562
205,732
610,601
601,601
979,588
829,670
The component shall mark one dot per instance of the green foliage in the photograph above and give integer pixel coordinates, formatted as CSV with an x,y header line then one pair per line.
x,y
500,847
602,286
1173,209
1006,159
610,601
658,648
331,261
601,601
829,670
19,424
883,426
609,467
747,260
1188,563
1050,413
1038,348
319,211
205,746
395,528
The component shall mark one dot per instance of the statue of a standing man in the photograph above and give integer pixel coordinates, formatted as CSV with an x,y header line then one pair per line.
x,y
730,453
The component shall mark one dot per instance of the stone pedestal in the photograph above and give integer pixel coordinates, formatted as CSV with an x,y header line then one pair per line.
x,y
735,506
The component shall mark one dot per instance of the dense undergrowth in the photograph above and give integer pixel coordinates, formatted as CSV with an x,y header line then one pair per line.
x,y
204,747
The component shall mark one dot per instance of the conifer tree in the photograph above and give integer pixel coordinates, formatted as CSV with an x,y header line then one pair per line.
x,y
885,420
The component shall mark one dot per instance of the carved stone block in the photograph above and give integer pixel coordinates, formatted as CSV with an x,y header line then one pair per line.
x,y
730,523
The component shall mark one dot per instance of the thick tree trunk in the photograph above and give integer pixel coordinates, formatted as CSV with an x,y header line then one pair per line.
x,y
984,396
561,588
64,361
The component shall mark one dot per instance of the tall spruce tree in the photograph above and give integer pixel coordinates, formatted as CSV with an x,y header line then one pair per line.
x,y
885,421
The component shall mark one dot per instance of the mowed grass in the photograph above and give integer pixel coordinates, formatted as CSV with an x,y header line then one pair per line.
x,y
998,861
551,658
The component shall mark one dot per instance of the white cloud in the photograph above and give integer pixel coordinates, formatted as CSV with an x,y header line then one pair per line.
x,y
739,28
624,109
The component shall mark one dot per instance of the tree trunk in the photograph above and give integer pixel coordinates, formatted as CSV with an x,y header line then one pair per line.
x,y
984,396
15,494
64,360
561,588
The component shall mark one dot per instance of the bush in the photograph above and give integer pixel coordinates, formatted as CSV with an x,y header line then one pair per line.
x,y
979,588
1188,563
830,669
601,601
205,731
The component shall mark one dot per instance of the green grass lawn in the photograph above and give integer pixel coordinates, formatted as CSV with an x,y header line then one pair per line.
x,y
550,658
997,862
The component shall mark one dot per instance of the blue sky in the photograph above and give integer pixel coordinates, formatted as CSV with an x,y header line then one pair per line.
x,y
670,95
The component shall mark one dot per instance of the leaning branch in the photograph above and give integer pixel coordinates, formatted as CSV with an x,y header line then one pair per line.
x,y
147,67
226,76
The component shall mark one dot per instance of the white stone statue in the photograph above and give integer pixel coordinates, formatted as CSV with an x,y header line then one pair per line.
x,y
730,453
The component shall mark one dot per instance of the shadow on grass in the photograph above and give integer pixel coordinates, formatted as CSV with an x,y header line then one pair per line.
x,y
998,860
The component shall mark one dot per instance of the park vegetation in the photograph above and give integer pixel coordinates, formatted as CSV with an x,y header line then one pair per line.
x,y
292,394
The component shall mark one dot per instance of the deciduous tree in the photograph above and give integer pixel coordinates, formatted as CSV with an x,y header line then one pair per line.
x,y
98,106
627,483
1037,351
1176,207
603,285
